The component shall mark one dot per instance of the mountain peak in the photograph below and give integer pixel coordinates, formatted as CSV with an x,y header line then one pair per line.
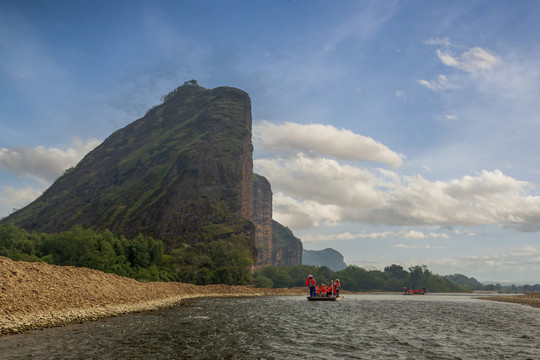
x,y
186,164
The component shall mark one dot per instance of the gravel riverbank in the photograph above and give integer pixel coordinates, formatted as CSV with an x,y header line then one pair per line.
x,y
39,295
532,299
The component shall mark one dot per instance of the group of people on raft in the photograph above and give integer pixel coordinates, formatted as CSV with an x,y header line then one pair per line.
x,y
323,290
414,292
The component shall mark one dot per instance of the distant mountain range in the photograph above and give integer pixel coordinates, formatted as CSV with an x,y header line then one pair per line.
x,y
327,257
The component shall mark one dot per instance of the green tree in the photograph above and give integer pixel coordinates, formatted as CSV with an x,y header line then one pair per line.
x,y
396,271
213,262
282,279
416,276
261,281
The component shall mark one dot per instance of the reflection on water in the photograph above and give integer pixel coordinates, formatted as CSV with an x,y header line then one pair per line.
x,y
358,327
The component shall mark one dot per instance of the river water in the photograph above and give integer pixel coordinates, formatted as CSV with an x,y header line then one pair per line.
x,y
357,327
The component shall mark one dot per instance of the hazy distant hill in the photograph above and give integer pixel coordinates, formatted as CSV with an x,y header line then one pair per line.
x,y
327,257
470,282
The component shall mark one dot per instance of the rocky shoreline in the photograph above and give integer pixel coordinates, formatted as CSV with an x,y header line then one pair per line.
x,y
39,295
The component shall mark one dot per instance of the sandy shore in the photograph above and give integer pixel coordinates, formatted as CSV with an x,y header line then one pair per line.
x,y
39,295
532,299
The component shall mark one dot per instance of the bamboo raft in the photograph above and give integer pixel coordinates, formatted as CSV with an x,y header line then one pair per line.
x,y
322,298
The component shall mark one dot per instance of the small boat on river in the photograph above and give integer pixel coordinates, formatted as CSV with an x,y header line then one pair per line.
x,y
415,292
324,298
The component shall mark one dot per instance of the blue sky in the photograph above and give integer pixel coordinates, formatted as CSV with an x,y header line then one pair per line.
x,y
398,132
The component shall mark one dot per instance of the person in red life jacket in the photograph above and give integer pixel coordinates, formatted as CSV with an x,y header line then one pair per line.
x,y
310,281
318,290
337,286
323,290
405,289
331,288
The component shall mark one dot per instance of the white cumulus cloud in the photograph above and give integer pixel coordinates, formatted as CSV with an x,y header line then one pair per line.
x,y
341,144
41,163
14,198
439,85
528,251
403,234
313,191
24,195
473,60
315,185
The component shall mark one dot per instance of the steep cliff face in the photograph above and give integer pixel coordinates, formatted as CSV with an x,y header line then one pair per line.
x,y
173,175
286,248
262,219
276,245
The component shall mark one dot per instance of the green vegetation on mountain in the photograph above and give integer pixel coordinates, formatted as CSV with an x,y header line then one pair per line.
x,y
184,156
181,174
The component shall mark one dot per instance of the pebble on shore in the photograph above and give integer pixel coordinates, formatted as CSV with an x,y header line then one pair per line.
x,y
39,295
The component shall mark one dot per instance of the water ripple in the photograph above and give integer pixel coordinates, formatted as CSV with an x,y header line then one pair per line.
x,y
358,327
